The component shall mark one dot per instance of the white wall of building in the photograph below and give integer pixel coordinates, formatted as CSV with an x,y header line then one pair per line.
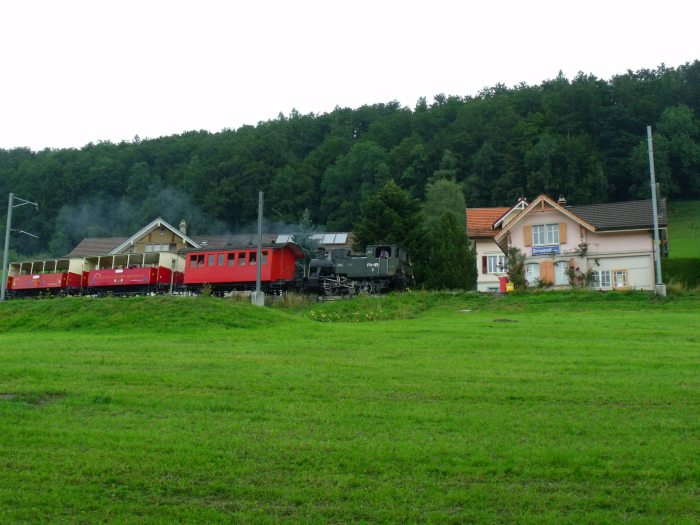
x,y
487,282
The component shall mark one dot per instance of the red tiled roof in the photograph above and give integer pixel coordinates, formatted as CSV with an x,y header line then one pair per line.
x,y
480,220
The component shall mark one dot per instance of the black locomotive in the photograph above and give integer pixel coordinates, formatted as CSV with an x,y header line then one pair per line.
x,y
383,268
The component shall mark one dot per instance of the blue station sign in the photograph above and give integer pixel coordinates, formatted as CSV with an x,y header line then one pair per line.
x,y
545,250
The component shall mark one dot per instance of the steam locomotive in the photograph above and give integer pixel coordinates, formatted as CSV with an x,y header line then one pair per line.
x,y
382,268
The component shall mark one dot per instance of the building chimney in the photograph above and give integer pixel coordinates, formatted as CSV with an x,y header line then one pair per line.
x,y
561,201
183,227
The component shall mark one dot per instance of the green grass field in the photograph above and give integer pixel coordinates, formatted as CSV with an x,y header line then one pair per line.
x,y
419,408
684,229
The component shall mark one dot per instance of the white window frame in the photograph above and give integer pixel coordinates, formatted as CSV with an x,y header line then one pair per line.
x,y
545,234
530,276
538,235
601,280
154,248
560,277
614,274
496,264
552,233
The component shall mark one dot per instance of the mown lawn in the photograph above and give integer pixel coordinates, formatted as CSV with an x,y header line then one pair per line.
x,y
556,408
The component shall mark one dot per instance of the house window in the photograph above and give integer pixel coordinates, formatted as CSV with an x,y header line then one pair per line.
x,y
150,248
560,277
495,263
538,235
620,279
532,273
552,233
601,280
545,234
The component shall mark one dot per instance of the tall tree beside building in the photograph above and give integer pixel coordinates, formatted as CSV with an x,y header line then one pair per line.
x,y
451,262
443,196
389,216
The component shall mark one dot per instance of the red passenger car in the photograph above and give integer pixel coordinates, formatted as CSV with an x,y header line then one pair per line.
x,y
131,280
35,284
47,276
235,268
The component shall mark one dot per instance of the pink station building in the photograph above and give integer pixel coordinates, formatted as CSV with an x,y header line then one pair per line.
x,y
607,246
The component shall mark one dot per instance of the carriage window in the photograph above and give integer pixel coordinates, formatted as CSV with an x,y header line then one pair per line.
x,y
241,259
211,260
231,259
221,259
264,258
193,261
383,251
253,257
200,261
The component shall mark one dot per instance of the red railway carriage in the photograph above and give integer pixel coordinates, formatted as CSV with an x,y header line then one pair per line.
x,y
61,283
53,276
235,268
128,280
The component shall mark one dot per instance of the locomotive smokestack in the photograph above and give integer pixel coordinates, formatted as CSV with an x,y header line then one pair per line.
x,y
183,227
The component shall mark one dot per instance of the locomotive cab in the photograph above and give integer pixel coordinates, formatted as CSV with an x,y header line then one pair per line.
x,y
388,251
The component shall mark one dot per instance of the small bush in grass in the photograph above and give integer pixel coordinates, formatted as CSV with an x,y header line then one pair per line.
x,y
686,271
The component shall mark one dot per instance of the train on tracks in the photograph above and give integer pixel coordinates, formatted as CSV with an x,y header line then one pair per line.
x,y
337,272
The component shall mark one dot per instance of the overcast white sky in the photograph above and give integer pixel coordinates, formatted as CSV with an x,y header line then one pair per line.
x,y
80,71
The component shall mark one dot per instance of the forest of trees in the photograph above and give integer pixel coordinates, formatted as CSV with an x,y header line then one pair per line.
x,y
584,138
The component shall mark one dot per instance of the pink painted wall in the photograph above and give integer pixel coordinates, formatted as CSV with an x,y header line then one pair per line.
x,y
627,242
546,217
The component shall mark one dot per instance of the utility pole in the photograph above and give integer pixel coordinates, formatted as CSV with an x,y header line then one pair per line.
x,y
258,296
660,287
8,229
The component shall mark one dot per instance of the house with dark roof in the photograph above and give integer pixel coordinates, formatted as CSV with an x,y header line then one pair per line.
x,y
608,246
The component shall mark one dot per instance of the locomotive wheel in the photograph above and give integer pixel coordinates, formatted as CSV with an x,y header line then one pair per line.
x,y
365,287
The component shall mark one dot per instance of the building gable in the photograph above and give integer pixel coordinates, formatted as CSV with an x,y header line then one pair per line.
x,y
158,236
541,204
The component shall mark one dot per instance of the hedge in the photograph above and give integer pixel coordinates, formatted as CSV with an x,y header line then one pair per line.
x,y
686,271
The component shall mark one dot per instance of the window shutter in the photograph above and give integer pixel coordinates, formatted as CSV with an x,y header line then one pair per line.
x,y
484,266
527,232
547,272
562,233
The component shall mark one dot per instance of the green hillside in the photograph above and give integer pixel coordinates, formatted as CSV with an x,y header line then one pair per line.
x,y
414,408
584,138
684,229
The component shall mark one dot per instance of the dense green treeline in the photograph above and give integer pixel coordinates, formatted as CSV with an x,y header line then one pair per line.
x,y
583,137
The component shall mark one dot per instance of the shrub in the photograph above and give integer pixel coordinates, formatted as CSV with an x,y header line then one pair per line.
x,y
685,271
